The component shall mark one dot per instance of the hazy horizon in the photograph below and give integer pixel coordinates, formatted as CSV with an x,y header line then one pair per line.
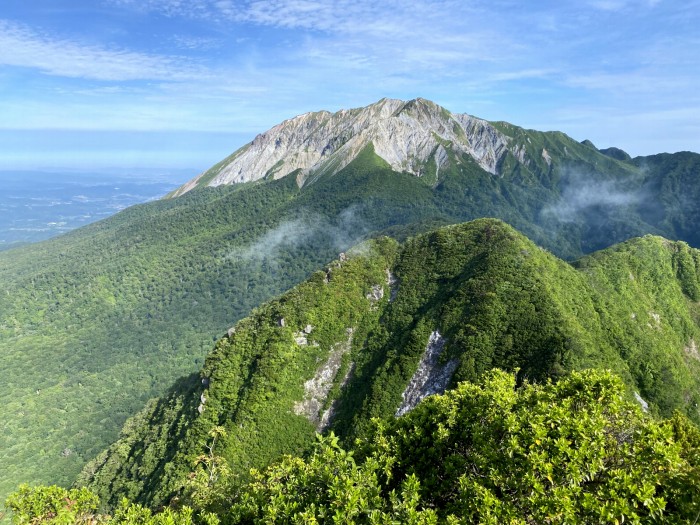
x,y
38,205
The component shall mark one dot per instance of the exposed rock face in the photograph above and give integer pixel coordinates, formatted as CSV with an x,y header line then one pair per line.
x,y
406,135
431,376
546,157
642,403
329,413
393,285
376,294
317,388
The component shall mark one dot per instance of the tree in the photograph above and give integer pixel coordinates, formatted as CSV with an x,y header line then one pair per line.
x,y
53,505
210,486
575,451
570,452
328,487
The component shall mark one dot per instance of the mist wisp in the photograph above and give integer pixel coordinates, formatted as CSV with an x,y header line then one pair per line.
x,y
582,193
347,228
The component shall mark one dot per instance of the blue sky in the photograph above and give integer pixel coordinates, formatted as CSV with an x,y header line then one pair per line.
x,y
183,83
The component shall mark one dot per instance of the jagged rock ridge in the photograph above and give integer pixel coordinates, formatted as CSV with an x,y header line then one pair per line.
x,y
406,135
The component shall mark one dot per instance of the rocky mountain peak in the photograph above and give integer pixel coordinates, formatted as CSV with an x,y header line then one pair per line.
x,y
408,136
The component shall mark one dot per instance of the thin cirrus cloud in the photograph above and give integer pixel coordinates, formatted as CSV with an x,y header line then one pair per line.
x,y
455,27
341,15
21,46
619,5
359,47
241,66
390,38
382,40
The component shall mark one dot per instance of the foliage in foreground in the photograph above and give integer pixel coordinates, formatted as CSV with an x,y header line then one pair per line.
x,y
572,452
58,506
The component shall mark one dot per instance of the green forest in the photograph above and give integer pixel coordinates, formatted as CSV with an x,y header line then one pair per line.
x,y
574,451
499,301
122,314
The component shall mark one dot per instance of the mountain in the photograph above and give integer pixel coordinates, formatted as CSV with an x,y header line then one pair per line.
x,y
416,137
568,196
95,323
387,325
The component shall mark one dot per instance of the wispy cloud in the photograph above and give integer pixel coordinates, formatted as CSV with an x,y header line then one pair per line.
x,y
196,43
345,16
625,83
609,5
587,68
341,233
435,31
341,15
24,47
582,192
285,235
191,8
619,5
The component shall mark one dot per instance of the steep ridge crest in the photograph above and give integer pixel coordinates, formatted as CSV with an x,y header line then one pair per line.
x,y
472,297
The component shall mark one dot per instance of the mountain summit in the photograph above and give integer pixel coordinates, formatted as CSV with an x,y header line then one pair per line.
x,y
406,135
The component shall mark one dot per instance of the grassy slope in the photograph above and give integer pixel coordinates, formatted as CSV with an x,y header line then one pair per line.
x,y
499,300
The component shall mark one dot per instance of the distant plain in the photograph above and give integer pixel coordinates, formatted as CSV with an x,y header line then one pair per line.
x,y
37,205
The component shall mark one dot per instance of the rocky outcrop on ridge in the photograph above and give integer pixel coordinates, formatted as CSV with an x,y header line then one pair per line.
x,y
406,135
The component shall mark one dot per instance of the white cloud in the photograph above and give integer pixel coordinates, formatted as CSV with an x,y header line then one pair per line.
x,y
438,31
609,5
23,47
626,83
194,43
619,5
582,193
343,15
269,60
191,8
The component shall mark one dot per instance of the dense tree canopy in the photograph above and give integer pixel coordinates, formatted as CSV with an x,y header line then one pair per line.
x,y
365,323
573,451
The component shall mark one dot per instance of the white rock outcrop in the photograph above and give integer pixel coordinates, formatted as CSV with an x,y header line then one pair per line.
x,y
317,388
404,134
641,401
430,378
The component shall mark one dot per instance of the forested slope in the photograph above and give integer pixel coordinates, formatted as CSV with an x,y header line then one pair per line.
x,y
374,333
96,322
570,451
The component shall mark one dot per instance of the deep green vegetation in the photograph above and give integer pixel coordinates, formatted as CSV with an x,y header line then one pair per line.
x,y
568,452
98,321
496,298
95,323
